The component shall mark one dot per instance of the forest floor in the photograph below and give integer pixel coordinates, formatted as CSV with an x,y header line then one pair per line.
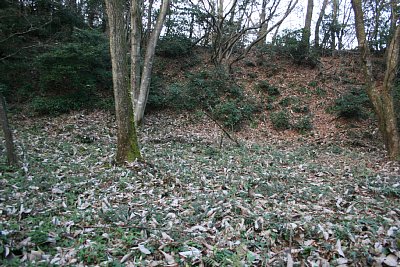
x,y
327,198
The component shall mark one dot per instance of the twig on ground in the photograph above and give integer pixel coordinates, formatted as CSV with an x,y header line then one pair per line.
x,y
223,129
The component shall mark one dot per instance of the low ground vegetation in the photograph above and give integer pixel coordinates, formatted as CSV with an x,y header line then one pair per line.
x,y
193,202
211,91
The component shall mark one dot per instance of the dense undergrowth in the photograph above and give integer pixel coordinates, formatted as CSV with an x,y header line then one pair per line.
x,y
192,203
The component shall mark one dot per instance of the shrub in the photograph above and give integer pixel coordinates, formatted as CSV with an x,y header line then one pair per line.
x,y
300,109
157,94
174,46
228,113
303,125
211,91
82,64
19,77
280,120
265,87
352,105
55,105
286,102
290,44
207,88
51,105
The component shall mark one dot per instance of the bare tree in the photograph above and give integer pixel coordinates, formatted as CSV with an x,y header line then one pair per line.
x,y
334,23
227,35
380,92
289,8
127,143
318,24
343,27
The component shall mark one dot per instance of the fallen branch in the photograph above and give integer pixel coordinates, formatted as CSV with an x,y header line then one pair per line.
x,y
222,128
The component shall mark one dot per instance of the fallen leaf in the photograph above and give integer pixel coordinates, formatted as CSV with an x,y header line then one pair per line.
x,y
193,252
391,260
143,249
126,257
339,248
289,260
169,258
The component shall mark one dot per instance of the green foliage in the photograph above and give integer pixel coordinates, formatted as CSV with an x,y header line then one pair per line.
x,y
66,76
352,105
93,254
303,125
211,91
81,64
280,120
28,29
71,74
228,174
290,44
19,78
174,46
38,237
313,84
320,92
55,105
285,102
300,108
264,86
228,113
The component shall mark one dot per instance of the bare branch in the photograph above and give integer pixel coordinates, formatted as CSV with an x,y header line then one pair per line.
x,y
31,29
289,9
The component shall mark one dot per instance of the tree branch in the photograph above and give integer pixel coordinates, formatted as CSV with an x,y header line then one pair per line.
x,y
222,128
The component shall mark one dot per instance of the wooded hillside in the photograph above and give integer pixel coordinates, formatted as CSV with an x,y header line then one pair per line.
x,y
200,133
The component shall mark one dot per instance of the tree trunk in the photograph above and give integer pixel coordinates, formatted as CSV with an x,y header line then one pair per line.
x,y
220,11
149,21
127,143
264,26
11,156
334,23
191,26
148,63
394,16
307,26
381,92
136,22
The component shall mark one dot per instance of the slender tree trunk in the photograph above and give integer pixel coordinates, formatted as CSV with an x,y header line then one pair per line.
x,y
127,143
376,27
264,26
136,22
191,26
148,63
334,23
394,16
220,11
275,36
11,156
149,21
381,92
307,25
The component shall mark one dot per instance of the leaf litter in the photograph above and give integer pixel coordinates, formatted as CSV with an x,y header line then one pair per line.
x,y
192,202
